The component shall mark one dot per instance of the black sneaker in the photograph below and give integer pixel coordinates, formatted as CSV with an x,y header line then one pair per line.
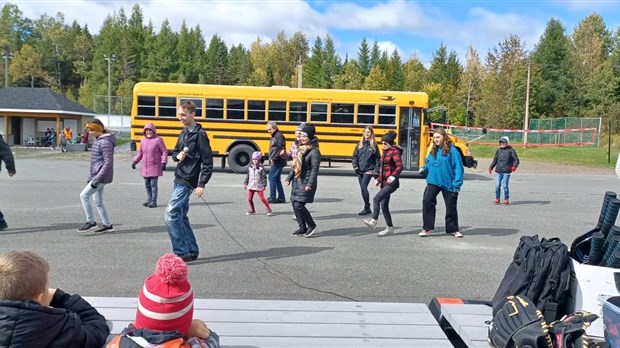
x,y
104,229
3,225
364,211
152,205
145,204
280,200
188,257
87,226
299,233
311,231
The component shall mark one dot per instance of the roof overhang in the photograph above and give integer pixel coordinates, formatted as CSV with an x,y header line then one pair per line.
x,y
56,112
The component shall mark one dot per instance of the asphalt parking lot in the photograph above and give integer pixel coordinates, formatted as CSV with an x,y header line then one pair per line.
x,y
255,257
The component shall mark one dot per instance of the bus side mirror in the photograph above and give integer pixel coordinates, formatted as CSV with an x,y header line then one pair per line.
x,y
484,131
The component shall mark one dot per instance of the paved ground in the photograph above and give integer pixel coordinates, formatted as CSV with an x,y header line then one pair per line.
x,y
255,257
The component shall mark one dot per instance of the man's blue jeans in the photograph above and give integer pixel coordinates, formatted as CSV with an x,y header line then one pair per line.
x,y
502,181
275,183
177,222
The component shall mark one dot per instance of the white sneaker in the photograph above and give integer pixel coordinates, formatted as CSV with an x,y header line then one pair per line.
x,y
372,223
388,230
424,233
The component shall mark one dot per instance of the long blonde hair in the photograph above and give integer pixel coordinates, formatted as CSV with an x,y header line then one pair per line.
x,y
446,142
373,142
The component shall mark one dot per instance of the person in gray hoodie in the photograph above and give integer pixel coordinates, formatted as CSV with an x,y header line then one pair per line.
x,y
101,173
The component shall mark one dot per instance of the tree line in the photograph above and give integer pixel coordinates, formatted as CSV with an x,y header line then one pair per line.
x,y
576,74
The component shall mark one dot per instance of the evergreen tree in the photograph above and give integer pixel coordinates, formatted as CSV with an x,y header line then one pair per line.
x,y
239,65
27,66
315,74
375,54
394,72
415,74
470,88
163,61
332,65
363,58
216,61
376,80
350,78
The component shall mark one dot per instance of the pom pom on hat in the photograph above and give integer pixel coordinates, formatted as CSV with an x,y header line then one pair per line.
x,y
256,155
309,131
389,137
301,126
166,302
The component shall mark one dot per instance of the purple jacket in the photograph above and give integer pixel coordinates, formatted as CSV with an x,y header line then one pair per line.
x,y
102,159
154,153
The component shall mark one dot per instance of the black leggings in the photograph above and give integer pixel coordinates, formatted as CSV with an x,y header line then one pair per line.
x,y
382,199
303,216
150,184
363,180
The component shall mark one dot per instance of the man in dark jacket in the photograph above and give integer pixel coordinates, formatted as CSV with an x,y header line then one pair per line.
x,y
505,162
193,171
6,156
277,161
31,315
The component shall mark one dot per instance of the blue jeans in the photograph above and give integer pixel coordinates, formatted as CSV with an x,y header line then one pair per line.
x,y
97,194
502,181
177,222
275,183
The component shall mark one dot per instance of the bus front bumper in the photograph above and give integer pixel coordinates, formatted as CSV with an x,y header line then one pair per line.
x,y
470,162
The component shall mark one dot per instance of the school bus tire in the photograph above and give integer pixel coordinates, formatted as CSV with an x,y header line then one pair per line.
x,y
240,157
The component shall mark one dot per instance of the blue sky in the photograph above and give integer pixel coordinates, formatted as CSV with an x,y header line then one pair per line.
x,y
412,27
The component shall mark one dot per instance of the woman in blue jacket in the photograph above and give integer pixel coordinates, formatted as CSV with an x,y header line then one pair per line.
x,y
444,173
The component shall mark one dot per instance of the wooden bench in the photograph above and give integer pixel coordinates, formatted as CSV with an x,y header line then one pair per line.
x,y
469,322
258,323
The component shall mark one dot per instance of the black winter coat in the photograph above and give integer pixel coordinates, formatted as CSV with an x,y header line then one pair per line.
x,y
366,158
309,175
276,145
196,169
71,323
6,156
505,157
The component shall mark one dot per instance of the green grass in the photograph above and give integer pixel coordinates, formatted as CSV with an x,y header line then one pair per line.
x,y
578,155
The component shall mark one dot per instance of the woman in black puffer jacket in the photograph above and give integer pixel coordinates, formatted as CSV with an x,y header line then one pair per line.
x,y
304,178
366,162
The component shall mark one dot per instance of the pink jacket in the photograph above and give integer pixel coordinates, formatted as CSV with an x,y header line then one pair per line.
x,y
153,151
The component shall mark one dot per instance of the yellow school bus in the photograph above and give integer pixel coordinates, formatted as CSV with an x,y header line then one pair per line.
x,y
235,118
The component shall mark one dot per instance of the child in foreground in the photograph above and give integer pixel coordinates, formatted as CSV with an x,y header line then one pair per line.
x,y
33,315
164,318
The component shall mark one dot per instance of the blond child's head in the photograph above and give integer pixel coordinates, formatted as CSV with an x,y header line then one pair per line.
x,y
23,276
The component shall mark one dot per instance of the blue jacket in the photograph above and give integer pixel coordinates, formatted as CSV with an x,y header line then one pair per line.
x,y
445,171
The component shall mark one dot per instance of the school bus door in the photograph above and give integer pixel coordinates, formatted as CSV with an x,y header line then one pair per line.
x,y
409,137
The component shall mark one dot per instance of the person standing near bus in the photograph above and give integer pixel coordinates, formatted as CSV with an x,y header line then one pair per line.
x,y
505,162
444,173
155,155
390,168
304,177
277,161
366,161
194,168
6,156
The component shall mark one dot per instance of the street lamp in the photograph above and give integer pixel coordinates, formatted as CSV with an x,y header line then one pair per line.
x,y
527,103
109,60
6,55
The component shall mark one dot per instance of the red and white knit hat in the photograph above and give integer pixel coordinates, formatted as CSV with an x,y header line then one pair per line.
x,y
166,302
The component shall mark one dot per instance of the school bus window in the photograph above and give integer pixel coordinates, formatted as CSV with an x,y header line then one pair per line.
x,y
318,112
298,111
235,109
277,111
366,113
387,114
198,103
256,110
342,113
167,107
215,108
146,105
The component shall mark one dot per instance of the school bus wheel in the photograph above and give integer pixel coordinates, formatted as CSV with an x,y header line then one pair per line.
x,y
239,158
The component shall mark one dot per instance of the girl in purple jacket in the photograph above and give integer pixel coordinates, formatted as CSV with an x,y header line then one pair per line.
x,y
155,155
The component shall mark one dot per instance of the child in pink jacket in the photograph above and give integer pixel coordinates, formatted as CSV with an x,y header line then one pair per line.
x,y
256,181
155,155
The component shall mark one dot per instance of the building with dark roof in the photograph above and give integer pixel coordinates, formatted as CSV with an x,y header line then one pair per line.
x,y
26,114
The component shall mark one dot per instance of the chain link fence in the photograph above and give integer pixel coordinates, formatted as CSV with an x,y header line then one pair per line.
x,y
118,105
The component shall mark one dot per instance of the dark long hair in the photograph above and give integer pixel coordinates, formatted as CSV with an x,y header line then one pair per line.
x,y
446,142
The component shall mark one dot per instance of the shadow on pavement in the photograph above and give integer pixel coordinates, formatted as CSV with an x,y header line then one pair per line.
x,y
269,254
493,232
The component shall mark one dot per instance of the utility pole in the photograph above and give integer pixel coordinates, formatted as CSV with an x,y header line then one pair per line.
x,y
299,72
6,55
109,59
527,104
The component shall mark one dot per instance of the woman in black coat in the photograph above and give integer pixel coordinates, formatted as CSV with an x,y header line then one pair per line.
x,y
304,178
366,162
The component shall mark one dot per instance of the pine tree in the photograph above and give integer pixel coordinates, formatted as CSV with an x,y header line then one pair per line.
x,y
363,58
